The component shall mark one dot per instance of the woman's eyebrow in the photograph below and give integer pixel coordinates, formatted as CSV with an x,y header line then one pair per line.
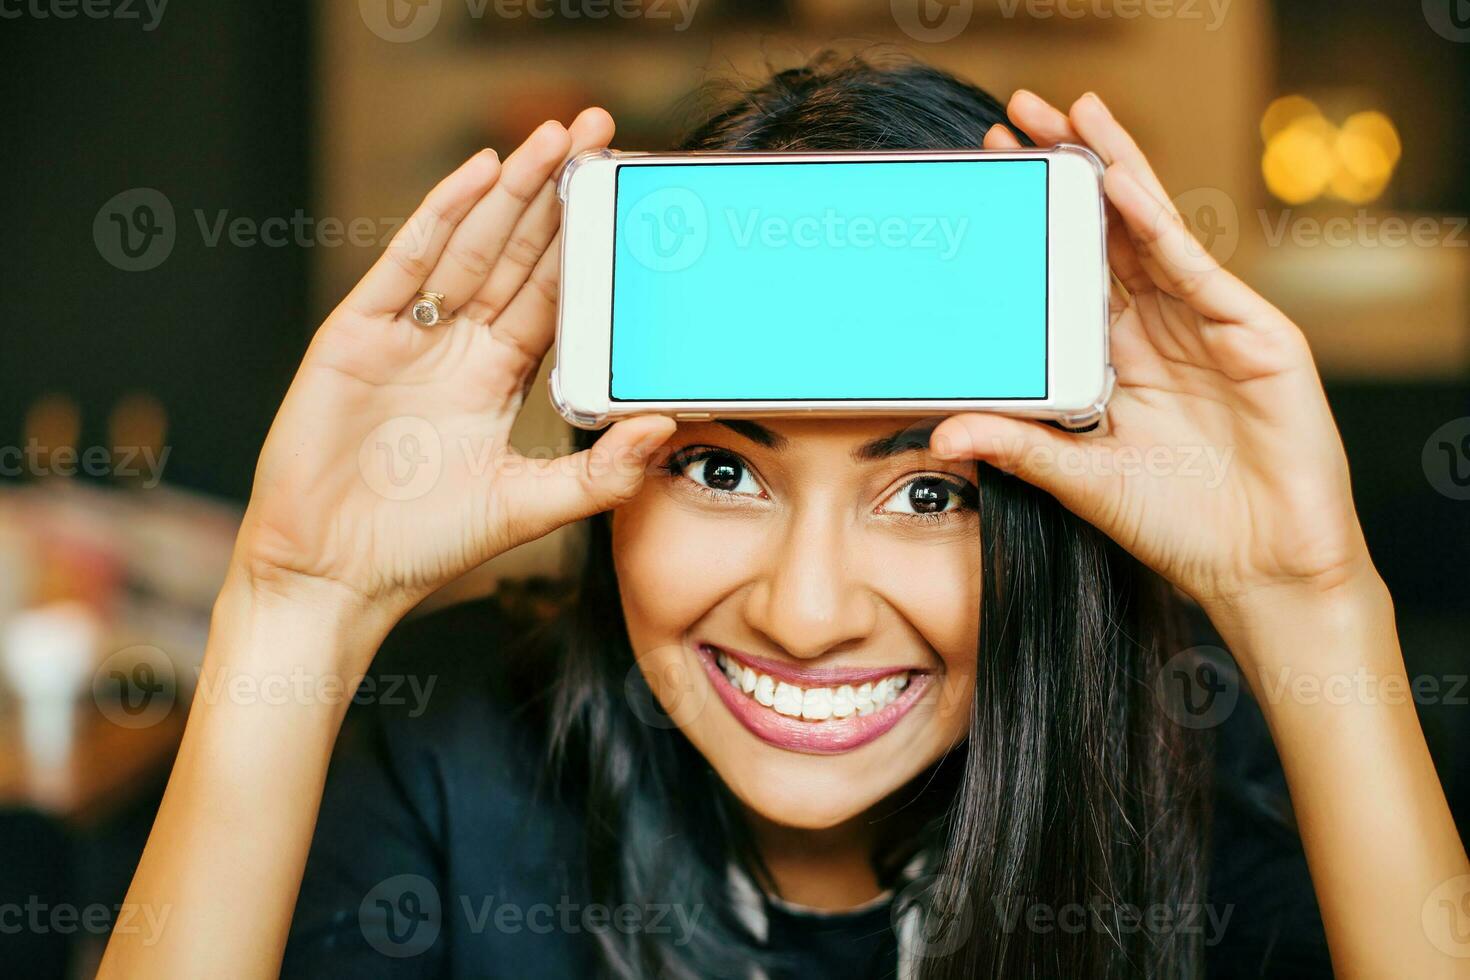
x,y
908,439
756,433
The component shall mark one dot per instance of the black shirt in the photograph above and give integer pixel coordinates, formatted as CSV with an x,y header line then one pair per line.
x,y
435,854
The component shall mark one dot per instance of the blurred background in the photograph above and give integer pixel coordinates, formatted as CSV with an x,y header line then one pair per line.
x,y
190,188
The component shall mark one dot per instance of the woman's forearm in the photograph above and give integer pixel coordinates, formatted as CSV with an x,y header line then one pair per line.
x,y
1379,838
223,863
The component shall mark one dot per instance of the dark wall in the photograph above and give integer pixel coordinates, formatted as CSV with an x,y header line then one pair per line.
x,y
1418,536
1391,54
211,108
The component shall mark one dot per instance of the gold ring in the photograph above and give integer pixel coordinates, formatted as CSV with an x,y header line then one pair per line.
x,y
426,311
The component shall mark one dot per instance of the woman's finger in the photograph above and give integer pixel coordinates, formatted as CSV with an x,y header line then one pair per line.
x,y
998,137
1120,251
608,473
526,328
1123,257
480,239
591,129
1106,136
1040,120
1047,125
1073,469
1177,263
400,272
1095,123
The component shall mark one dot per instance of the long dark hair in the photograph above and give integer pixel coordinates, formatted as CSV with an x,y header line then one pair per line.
x,y
1074,791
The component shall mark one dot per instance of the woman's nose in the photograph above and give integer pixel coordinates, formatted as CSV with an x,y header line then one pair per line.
x,y
812,598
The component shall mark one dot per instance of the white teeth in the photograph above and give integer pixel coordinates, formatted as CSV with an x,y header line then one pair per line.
x,y
815,704
842,702
788,699
732,671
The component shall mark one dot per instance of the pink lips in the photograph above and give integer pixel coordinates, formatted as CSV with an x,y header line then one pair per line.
x,y
828,737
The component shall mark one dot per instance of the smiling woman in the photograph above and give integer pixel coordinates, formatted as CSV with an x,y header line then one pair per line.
x,y
834,566
805,598
855,697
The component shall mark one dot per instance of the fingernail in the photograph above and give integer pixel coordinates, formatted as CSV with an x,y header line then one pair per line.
x,y
1098,101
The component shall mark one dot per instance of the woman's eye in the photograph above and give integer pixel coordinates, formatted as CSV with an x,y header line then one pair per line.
x,y
928,495
723,472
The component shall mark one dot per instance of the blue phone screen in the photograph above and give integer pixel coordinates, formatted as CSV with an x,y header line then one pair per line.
x,y
830,281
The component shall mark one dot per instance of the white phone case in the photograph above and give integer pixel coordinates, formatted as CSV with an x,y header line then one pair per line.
x,y
1077,419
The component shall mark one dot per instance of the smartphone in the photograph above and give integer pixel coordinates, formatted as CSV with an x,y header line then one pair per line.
x,y
882,283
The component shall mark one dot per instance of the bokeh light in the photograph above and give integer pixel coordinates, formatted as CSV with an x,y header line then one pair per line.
x,y
52,422
1285,111
138,421
1307,156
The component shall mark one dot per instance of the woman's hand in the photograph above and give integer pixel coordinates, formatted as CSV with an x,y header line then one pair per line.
x,y
1268,543
388,470
1220,466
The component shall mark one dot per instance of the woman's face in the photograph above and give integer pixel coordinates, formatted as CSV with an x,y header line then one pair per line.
x,y
802,597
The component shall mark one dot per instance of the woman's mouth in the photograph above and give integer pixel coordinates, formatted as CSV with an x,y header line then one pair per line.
x,y
813,703
818,711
